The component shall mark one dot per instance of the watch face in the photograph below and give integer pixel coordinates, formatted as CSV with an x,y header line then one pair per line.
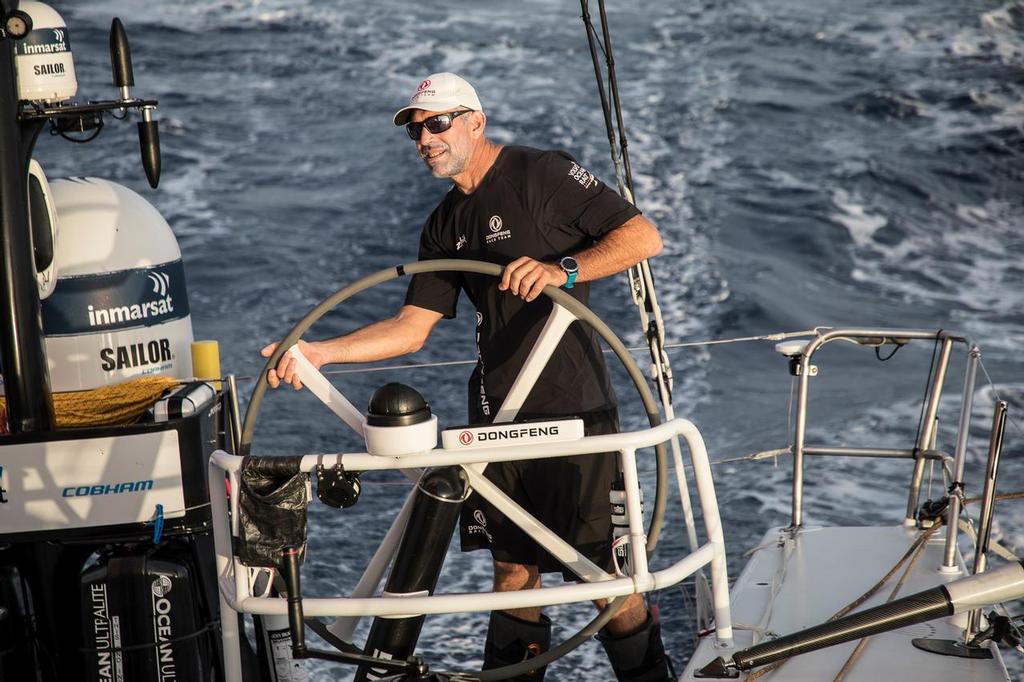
x,y
569,264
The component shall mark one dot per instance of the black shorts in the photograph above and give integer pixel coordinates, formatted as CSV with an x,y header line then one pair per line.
x,y
569,495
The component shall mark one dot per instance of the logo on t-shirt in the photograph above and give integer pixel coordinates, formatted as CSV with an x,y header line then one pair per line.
x,y
480,527
582,176
461,242
497,234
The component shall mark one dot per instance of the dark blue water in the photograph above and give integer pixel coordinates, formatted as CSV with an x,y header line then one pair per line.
x,y
808,163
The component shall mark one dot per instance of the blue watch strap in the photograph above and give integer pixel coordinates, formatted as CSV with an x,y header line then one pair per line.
x,y
571,279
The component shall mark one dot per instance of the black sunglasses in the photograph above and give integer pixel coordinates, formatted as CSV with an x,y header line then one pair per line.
x,y
435,124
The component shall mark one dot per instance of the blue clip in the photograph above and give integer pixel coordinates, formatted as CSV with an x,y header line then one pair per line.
x,y
158,524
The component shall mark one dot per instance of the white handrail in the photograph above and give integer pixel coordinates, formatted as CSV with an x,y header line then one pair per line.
x,y
236,590
361,461
479,601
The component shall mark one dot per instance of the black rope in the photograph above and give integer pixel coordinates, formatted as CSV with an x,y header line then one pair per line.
x,y
613,86
56,129
889,356
320,628
212,625
594,42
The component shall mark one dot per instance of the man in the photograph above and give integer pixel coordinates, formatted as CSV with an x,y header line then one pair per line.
x,y
550,223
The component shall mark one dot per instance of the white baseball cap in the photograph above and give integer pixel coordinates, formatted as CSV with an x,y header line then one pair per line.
x,y
440,92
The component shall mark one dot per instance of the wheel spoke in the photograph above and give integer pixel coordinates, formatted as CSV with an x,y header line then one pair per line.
x,y
319,386
554,329
569,556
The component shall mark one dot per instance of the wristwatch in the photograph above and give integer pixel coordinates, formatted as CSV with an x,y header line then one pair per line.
x,y
571,269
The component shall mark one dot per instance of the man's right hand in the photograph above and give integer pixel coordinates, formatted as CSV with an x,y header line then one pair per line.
x,y
285,370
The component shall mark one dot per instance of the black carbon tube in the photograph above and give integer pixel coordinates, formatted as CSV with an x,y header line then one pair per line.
x,y
917,608
418,563
22,353
290,571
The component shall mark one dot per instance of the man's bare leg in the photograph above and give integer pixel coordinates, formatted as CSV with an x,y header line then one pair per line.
x,y
510,577
517,634
632,640
629,618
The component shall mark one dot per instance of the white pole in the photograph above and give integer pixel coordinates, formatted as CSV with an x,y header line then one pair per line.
x,y
222,547
713,527
554,328
637,537
323,389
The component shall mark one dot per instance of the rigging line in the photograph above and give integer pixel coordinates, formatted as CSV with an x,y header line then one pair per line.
x,y
931,477
589,24
994,545
1003,496
776,586
848,666
613,86
927,387
995,392
912,553
641,280
777,336
844,671
789,412
597,39
610,93
605,109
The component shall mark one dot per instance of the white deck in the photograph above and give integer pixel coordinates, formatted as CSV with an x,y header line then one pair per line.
x,y
821,571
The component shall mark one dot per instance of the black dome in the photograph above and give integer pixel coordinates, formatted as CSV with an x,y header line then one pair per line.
x,y
396,404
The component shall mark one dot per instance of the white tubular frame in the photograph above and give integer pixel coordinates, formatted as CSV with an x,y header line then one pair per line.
x,y
236,590
318,384
554,328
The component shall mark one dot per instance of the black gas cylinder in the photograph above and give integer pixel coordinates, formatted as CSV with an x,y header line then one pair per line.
x,y
18,660
142,618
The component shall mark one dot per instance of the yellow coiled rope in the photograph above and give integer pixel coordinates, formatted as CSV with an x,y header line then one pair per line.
x,y
112,405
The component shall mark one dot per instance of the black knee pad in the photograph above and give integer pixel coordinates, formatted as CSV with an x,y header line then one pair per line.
x,y
639,656
513,640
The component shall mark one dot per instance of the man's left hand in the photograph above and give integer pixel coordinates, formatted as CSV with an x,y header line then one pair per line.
x,y
526,277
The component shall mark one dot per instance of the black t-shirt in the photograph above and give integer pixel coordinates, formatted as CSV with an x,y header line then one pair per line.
x,y
534,203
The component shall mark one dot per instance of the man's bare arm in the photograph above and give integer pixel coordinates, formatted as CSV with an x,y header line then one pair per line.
x,y
623,247
404,333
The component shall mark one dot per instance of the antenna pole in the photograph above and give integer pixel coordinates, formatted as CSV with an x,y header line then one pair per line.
x,y
22,356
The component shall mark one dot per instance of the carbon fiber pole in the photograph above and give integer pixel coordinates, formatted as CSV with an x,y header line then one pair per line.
x,y
23,360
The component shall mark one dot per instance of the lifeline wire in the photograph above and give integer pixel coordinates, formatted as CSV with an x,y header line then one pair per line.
x,y
777,336
995,392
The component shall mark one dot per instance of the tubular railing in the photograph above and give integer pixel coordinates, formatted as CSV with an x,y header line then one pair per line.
x,y
924,449
236,582
926,434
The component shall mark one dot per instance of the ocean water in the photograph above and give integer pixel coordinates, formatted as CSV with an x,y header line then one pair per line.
x,y
808,164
